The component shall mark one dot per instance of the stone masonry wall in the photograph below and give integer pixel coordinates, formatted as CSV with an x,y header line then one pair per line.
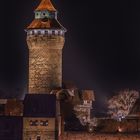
x,y
87,136
45,62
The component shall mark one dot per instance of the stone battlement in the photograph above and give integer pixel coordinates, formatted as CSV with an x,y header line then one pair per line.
x,y
46,32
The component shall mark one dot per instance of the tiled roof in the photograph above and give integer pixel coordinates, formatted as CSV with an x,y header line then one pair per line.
x,y
45,24
46,5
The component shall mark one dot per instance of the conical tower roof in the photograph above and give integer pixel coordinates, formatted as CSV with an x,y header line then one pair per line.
x,y
46,5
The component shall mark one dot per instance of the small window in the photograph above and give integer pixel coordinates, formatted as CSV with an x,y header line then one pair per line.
x,y
39,32
53,32
38,138
59,32
33,123
46,32
44,123
44,14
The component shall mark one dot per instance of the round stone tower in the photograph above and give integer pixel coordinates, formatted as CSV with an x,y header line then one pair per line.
x,y
45,39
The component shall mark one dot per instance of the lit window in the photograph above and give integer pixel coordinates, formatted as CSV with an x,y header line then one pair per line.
x,y
44,123
35,31
56,32
49,32
42,32
33,123
62,33
85,102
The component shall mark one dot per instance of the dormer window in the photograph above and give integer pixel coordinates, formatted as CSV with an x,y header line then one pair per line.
x,y
43,14
37,14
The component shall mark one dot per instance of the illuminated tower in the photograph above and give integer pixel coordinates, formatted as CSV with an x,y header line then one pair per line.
x,y
45,39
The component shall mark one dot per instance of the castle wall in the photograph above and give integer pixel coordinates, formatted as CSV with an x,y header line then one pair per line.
x,y
111,125
45,62
87,136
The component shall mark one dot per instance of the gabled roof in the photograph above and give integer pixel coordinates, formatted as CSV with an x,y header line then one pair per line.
x,y
45,5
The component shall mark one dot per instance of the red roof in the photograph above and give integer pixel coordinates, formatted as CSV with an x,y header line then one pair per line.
x,y
88,95
45,24
46,5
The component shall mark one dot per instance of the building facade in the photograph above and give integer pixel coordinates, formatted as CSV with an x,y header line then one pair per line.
x,y
39,120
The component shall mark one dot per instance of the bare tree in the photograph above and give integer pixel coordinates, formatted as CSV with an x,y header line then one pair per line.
x,y
120,105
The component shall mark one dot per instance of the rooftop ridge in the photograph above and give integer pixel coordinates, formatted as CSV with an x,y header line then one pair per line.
x,y
45,5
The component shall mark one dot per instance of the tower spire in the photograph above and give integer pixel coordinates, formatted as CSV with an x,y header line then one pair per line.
x,y
45,5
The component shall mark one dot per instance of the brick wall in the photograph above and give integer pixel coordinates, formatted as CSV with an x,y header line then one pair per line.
x,y
45,62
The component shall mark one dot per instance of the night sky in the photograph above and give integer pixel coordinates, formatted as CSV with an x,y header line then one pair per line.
x,y
102,49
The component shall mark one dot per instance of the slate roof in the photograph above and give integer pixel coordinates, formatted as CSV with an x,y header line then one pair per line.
x,y
40,105
46,5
